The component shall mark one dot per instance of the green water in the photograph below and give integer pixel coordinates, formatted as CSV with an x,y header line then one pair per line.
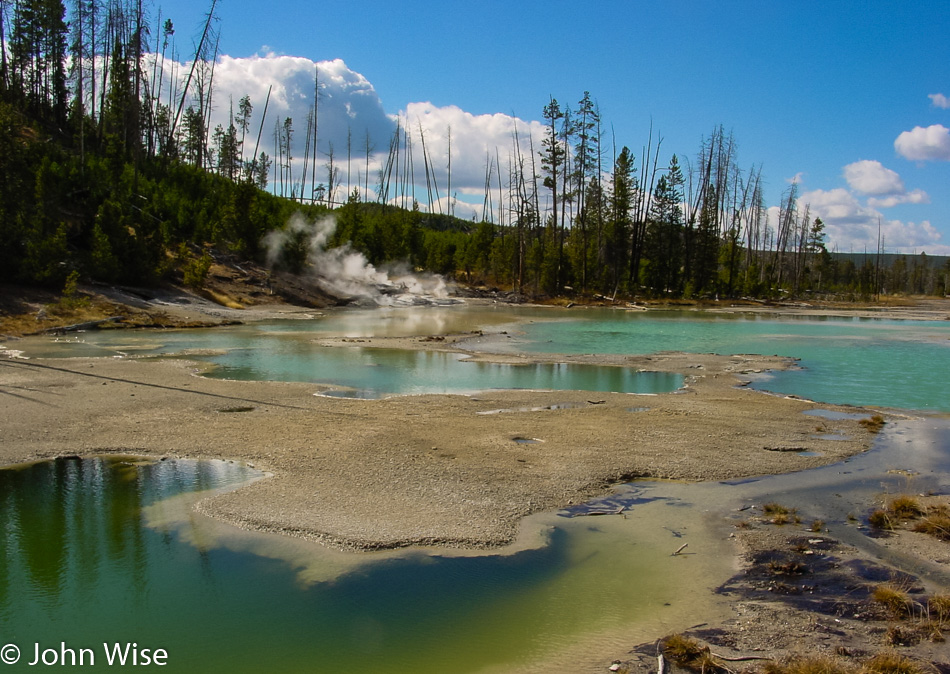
x,y
82,564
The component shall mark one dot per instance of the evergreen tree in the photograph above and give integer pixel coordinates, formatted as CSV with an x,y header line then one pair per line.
x,y
553,154
663,240
619,224
586,176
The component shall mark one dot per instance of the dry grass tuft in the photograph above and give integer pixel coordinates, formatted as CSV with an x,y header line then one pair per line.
x,y
688,654
780,514
905,507
885,662
936,524
873,424
819,664
938,606
893,598
880,519
889,662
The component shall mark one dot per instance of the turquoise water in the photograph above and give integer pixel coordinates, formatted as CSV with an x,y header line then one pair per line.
x,y
904,364
287,351
375,372
842,360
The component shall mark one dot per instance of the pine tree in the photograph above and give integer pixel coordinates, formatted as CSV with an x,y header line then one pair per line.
x,y
619,224
663,242
553,154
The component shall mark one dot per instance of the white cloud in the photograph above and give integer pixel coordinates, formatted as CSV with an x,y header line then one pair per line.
x,y
871,177
940,101
853,227
912,197
931,143
348,105
479,143
351,117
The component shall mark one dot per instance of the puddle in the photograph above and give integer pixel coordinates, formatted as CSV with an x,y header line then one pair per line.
x,y
527,441
638,409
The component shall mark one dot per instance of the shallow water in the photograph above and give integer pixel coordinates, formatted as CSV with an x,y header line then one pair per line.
x,y
853,361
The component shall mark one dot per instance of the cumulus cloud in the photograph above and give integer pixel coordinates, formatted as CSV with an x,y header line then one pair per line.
x,y
481,145
940,101
853,227
891,200
884,185
353,123
871,177
920,144
348,105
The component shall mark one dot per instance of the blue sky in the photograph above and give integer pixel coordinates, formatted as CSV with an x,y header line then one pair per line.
x,y
806,88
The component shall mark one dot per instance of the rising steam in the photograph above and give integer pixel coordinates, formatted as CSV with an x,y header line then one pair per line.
x,y
344,272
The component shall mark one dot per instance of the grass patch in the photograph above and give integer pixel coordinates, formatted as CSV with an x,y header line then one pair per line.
x,y
817,525
935,524
873,424
938,606
889,662
905,507
819,664
893,599
880,519
780,514
689,654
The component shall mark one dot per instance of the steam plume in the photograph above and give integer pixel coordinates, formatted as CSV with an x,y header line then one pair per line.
x,y
344,272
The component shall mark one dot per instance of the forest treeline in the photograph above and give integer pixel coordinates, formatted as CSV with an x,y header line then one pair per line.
x,y
110,171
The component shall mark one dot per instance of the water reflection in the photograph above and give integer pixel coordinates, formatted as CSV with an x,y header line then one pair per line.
x,y
81,564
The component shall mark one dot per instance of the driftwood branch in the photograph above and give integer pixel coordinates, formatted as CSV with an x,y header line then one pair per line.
x,y
680,549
